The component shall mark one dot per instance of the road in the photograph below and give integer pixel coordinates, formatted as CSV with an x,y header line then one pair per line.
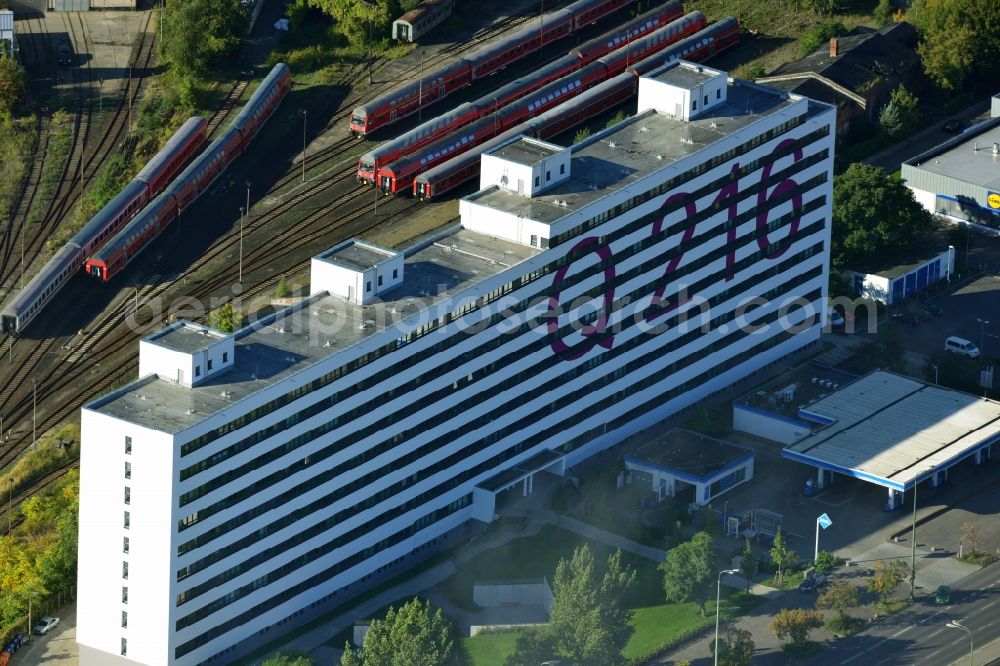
x,y
918,635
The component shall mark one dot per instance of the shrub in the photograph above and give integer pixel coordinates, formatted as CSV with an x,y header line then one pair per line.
x,y
816,36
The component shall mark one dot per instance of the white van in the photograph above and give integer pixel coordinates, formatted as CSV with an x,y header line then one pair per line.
x,y
961,346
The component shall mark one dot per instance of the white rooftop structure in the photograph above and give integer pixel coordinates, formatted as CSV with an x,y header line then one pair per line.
x,y
894,430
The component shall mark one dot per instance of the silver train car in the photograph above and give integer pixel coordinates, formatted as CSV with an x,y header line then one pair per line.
x,y
417,22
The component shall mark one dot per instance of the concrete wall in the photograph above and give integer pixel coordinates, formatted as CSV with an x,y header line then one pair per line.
x,y
776,428
489,595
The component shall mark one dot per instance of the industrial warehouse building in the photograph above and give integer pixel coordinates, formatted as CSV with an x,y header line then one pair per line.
x,y
246,481
959,178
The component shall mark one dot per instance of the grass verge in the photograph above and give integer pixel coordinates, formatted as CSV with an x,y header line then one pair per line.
x,y
16,142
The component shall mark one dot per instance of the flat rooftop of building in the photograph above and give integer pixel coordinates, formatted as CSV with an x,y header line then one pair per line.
x,y
525,150
968,157
894,264
618,157
687,75
688,454
891,430
503,479
797,389
186,337
357,255
295,338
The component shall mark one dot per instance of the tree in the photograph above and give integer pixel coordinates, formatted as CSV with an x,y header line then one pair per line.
x,y
588,621
825,561
817,36
970,535
735,647
226,319
689,570
281,290
199,35
795,624
873,213
749,565
581,134
887,577
958,39
884,11
840,596
900,116
782,557
889,120
415,635
293,658
353,17
13,78
823,6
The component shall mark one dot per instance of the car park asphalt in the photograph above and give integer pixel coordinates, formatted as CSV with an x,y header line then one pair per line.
x,y
56,647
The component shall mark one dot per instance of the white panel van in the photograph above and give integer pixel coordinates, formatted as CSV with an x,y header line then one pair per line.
x,y
961,346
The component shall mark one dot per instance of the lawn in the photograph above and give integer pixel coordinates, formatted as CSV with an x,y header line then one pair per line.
x,y
489,649
789,581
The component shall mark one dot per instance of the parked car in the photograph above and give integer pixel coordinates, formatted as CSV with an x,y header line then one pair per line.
x,y
953,126
911,319
837,321
45,625
932,309
957,345
64,56
943,595
812,582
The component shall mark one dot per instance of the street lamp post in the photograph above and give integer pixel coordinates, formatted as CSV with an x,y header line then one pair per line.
x,y
241,244
982,336
955,624
305,117
718,595
248,198
34,422
913,537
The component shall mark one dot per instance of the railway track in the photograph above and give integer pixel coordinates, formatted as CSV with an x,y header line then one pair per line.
x,y
104,342
78,162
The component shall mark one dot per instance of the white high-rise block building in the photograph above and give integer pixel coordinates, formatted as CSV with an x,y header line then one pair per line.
x,y
249,478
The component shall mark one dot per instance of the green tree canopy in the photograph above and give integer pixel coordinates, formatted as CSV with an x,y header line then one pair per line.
x,y
958,38
887,577
13,78
795,624
354,17
226,319
873,213
819,35
689,571
735,647
414,635
199,35
589,620
840,595
750,563
782,557
294,658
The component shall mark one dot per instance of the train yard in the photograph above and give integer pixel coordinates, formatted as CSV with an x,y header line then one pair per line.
x,y
84,344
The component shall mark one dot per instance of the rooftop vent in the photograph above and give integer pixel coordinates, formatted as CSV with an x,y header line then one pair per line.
x,y
612,144
643,129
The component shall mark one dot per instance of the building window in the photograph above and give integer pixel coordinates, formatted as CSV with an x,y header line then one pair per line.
x,y
124,619
694,104
124,647
128,495
562,169
380,280
209,365
537,182
718,94
368,286
127,515
125,545
395,273
125,570
225,357
548,175
128,445
128,470
534,240
706,100
197,371
124,595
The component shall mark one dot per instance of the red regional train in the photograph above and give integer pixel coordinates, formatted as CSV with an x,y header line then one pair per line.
x,y
482,62
435,128
70,258
194,180
399,176
435,182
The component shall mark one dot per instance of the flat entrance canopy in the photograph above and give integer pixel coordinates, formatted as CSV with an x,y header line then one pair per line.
x,y
895,431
